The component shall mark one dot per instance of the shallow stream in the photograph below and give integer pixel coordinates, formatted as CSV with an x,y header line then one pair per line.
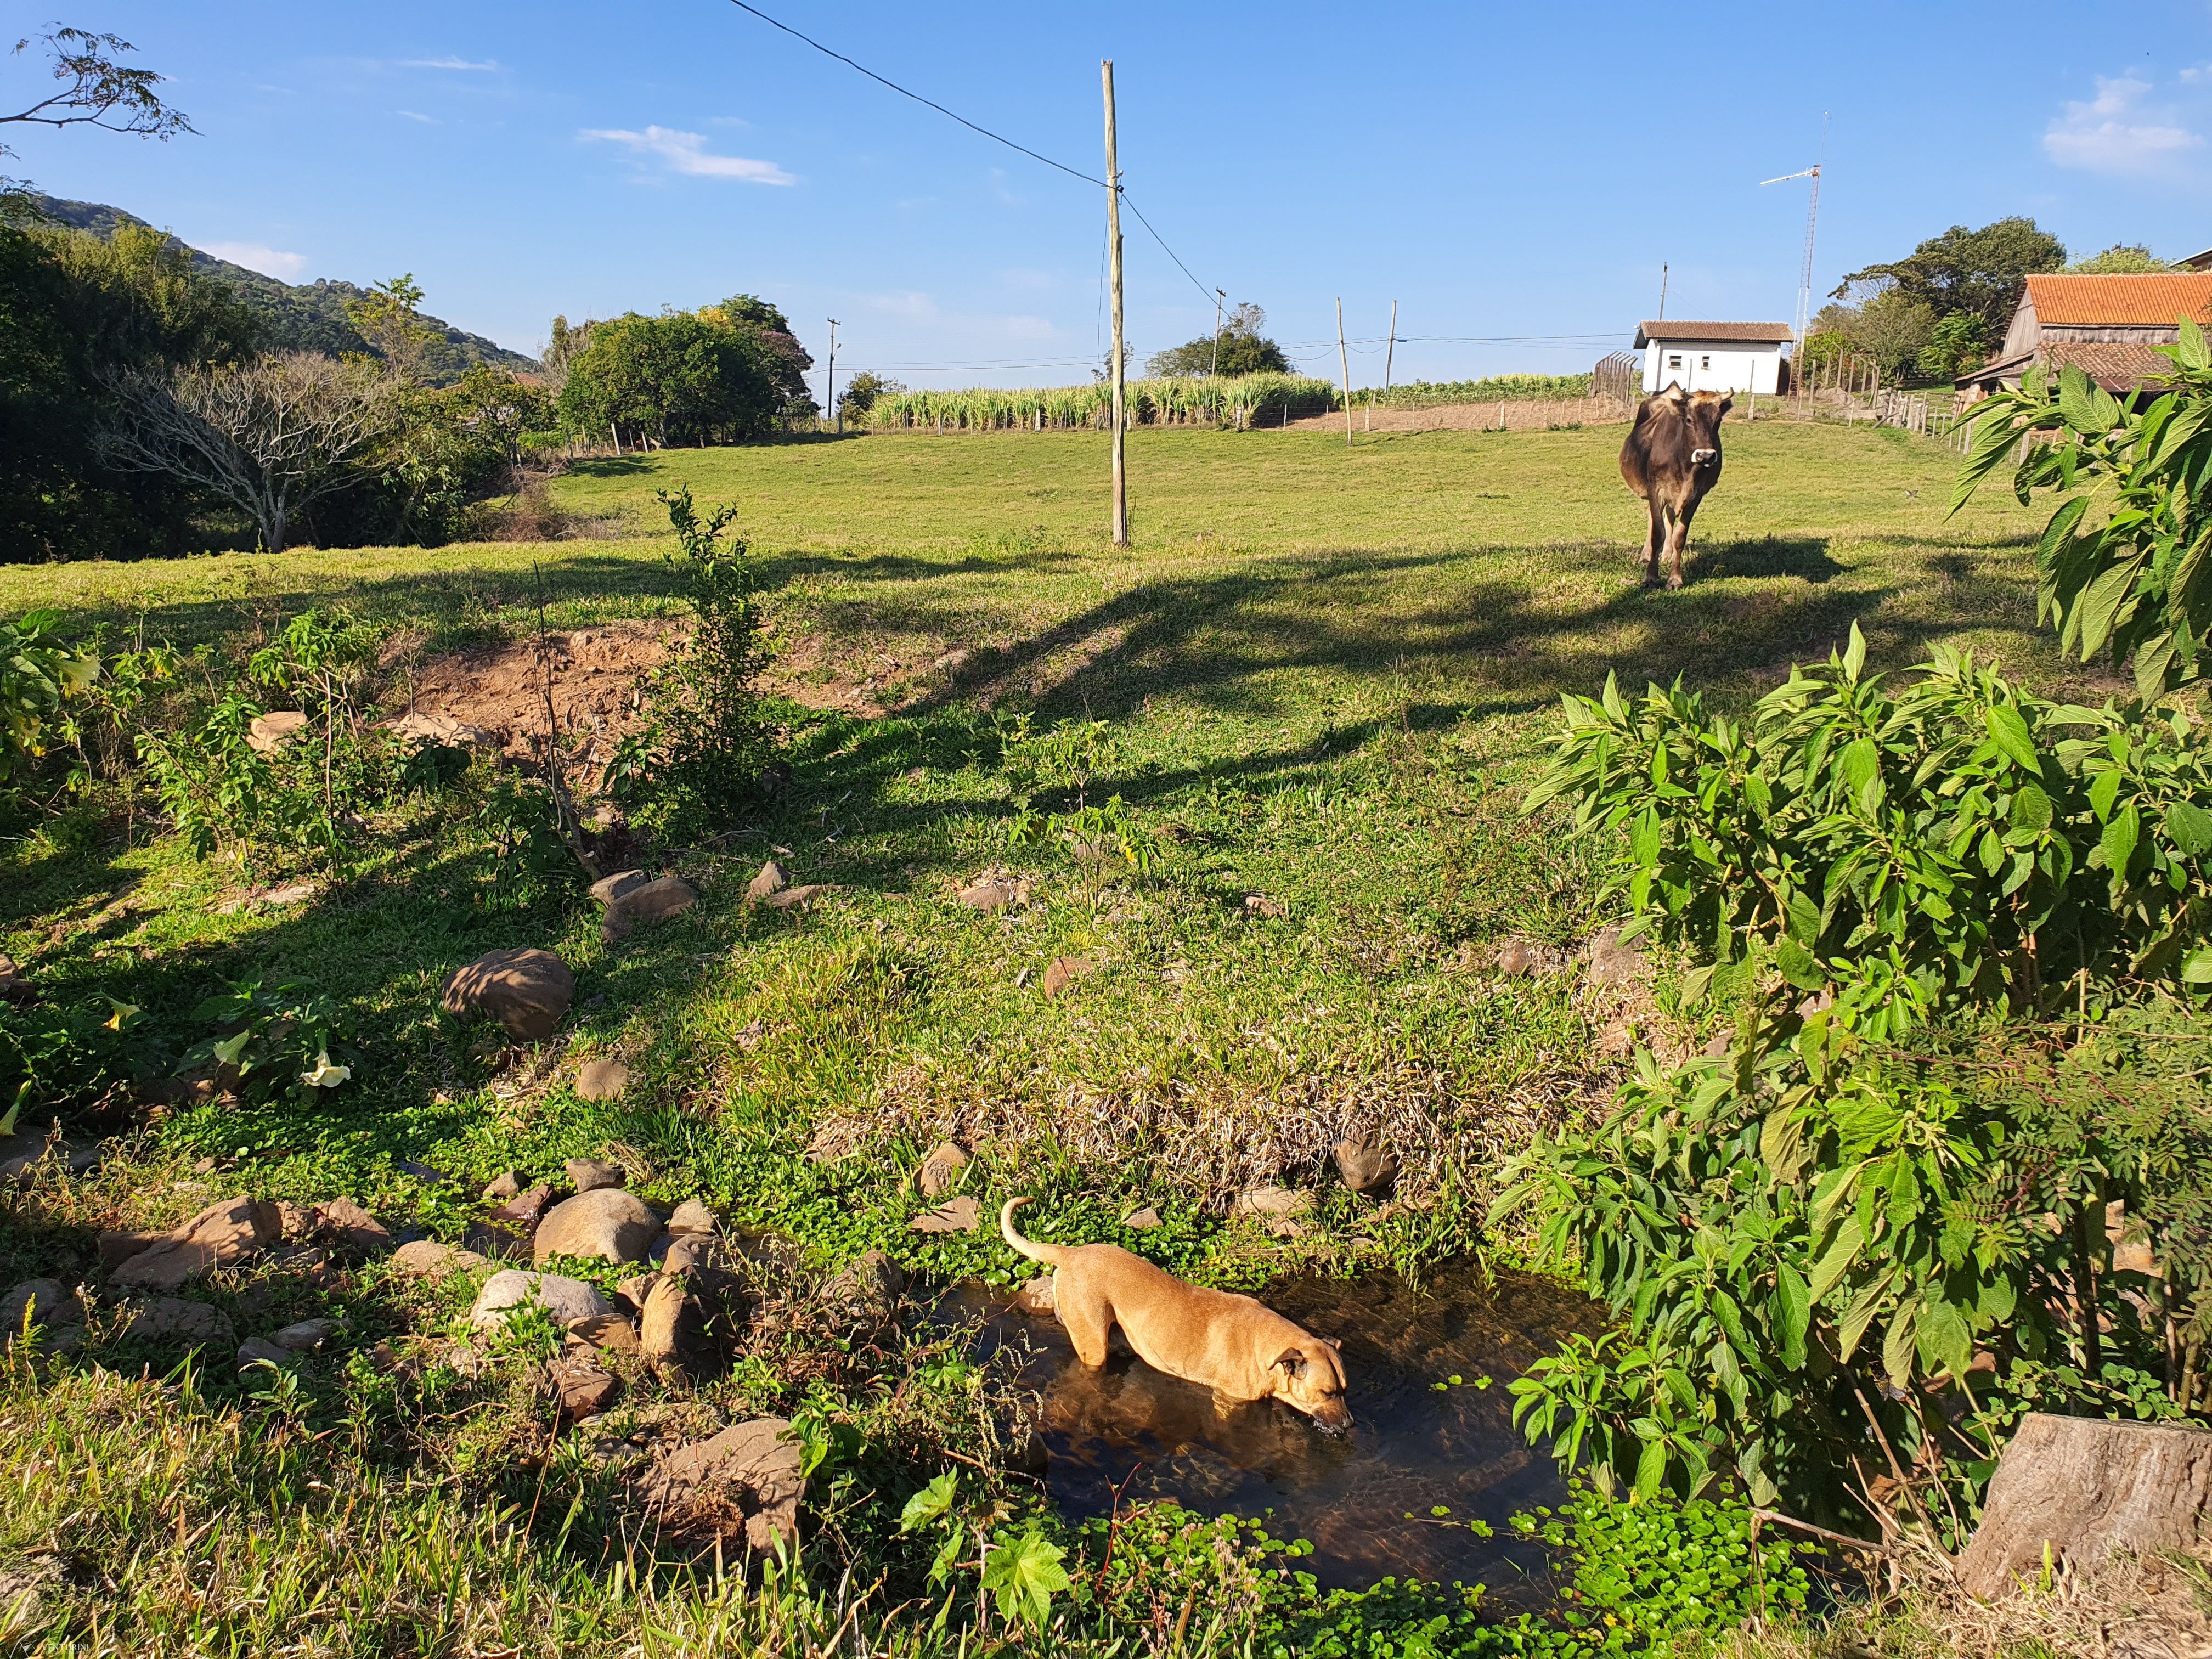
x,y
1365,1499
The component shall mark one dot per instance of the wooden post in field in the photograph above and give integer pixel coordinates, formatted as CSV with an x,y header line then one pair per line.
x,y
1389,347
1119,516
830,382
1344,360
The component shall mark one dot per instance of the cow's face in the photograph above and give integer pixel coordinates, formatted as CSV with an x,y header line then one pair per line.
x,y
1702,412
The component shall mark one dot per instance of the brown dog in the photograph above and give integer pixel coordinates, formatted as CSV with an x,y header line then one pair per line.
x,y
1231,1344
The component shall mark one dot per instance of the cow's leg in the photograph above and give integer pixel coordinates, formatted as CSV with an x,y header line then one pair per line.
x,y
1680,541
1654,537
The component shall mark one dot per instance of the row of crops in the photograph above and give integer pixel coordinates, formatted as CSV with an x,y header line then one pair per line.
x,y
1239,401
1497,388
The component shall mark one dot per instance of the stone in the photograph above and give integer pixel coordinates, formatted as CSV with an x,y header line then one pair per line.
x,y
755,1464
605,1223
634,1290
565,1299
772,879
221,1234
951,661
653,900
1518,958
525,1208
602,1079
660,1328
267,734
1616,967
345,1224
171,1319
1142,1220
870,1284
502,1187
610,1331
442,729
14,983
693,1217
608,889
426,1258
940,1170
794,898
961,1215
260,1351
43,1302
298,892
2074,1489
528,992
1364,1164
307,1335
581,1386
1063,971
1259,904
1038,1296
591,1174
1271,1202
989,893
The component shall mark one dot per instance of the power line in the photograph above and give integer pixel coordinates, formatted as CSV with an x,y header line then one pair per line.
x,y
1072,172
1205,293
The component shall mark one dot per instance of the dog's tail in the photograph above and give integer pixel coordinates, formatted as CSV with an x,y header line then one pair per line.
x,y
1050,1255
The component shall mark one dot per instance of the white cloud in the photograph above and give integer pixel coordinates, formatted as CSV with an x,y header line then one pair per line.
x,y
417,115
269,261
905,302
2112,133
687,153
484,68
1030,328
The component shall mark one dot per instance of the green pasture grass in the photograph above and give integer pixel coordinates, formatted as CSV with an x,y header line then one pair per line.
x,y
1326,676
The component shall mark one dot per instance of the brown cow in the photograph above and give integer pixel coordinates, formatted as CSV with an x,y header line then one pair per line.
x,y
1671,457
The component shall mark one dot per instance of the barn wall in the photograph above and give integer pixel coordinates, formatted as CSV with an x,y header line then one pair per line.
x,y
1711,365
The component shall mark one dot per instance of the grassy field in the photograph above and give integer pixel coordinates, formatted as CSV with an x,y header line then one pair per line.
x,y
1323,678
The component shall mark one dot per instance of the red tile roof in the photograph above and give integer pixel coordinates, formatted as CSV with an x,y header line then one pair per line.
x,y
2156,300
1764,333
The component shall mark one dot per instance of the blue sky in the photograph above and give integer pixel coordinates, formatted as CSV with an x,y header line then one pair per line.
x,y
1501,171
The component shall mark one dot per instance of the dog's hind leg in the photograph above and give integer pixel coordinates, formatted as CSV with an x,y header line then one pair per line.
x,y
1087,1317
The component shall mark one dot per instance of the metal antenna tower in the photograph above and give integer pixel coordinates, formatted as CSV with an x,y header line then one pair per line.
x,y
1812,224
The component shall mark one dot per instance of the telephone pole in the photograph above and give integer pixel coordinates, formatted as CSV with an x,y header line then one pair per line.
x,y
1213,373
829,386
1119,516
1344,362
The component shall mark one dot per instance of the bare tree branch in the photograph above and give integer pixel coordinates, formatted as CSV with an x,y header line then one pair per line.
x,y
98,91
270,436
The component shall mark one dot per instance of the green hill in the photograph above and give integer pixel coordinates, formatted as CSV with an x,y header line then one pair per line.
x,y
305,317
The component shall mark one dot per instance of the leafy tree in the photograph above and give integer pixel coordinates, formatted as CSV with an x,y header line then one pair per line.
x,y
1958,343
1983,271
677,378
787,361
2121,259
387,317
861,392
98,91
1239,348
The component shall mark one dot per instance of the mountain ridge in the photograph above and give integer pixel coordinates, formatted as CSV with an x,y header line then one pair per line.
x,y
302,316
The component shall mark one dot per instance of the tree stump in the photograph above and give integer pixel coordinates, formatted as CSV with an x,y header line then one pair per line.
x,y
2086,1487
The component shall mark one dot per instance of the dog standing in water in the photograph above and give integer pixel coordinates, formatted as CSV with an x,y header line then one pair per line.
x,y
1231,1344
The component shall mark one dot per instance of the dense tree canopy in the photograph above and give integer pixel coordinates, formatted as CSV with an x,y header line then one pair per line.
x,y
1983,271
1239,348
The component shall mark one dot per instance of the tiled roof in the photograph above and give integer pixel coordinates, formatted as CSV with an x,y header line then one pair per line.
x,y
1762,333
2117,367
2156,300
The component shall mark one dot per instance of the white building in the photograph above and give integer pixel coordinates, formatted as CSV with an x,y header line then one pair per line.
x,y
1712,356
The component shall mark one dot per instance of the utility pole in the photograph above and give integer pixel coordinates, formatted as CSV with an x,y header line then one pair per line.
x,y
1390,351
1344,362
1663,293
1213,373
1119,517
830,387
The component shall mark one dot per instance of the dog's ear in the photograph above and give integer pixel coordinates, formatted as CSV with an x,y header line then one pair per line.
x,y
1334,1343
1292,1361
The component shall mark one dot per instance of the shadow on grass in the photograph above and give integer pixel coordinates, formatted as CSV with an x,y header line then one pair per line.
x,y
1802,557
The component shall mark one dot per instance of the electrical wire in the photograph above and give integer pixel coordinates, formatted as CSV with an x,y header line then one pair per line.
x,y
1205,293
1072,172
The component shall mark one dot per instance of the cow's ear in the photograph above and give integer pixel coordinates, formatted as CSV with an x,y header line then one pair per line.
x,y
1728,402
1292,1361
1674,394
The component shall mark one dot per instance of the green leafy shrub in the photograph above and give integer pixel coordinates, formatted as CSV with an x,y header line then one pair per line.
x,y
697,759
1957,840
2125,565
43,684
282,1040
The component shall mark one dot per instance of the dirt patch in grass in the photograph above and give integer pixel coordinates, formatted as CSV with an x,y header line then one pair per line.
x,y
592,674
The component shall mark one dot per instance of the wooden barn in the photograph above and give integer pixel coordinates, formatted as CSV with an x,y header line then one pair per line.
x,y
2106,326
1713,357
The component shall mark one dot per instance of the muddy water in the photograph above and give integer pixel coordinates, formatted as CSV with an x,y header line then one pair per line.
x,y
1364,1499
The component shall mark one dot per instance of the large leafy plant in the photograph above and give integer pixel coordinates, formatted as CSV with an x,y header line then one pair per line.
x,y
1955,841
2125,561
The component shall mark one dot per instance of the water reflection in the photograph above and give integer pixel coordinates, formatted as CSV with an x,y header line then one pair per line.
x,y
1364,1499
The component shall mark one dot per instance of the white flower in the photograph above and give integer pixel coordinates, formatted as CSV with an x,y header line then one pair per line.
x,y
325,1075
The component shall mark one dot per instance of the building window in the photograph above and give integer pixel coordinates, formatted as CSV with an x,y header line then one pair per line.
x,y
1674,362
1704,363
